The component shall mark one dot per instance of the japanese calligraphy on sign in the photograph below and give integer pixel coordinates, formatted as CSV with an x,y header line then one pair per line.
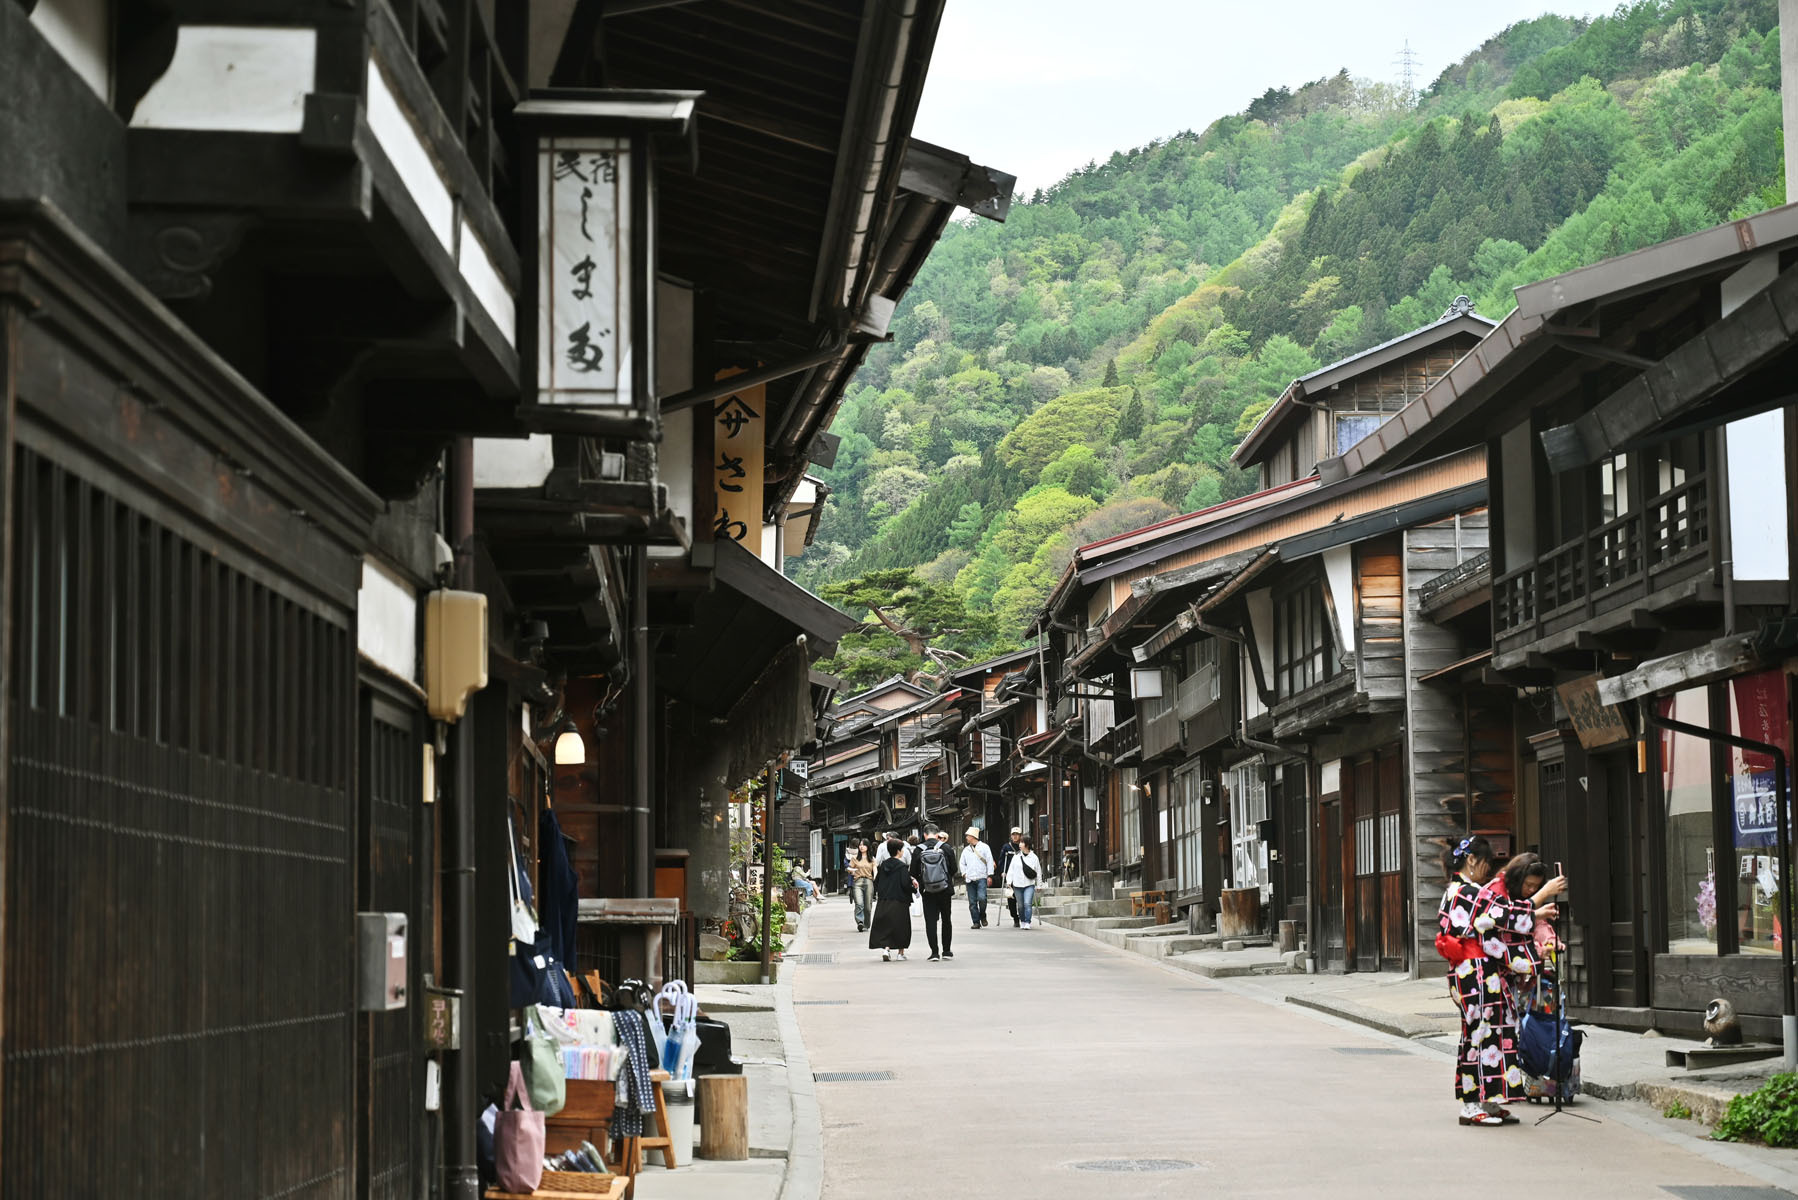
x,y
1597,724
584,322
737,435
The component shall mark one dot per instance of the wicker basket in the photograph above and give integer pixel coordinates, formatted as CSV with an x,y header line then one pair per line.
x,y
576,1181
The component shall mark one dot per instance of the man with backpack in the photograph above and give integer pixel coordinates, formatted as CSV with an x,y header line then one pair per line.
x,y
1005,857
934,869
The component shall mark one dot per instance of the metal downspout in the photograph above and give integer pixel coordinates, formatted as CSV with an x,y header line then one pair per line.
x,y
462,1101
642,875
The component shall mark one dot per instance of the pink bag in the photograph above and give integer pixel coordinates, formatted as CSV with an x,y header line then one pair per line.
x,y
518,1138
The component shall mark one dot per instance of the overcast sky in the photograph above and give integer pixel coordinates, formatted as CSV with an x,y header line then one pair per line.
x,y
1040,87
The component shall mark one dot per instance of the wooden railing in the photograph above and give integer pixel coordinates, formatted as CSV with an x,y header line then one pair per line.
x,y
1160,726
1582,577
1126,738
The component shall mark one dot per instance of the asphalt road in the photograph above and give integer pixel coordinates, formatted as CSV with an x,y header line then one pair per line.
x,y
1038,1062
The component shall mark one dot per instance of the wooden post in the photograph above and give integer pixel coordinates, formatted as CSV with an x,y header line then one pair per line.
x,y
723,1117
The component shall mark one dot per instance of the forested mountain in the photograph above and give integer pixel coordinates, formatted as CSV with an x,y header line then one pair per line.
x,y
1089,366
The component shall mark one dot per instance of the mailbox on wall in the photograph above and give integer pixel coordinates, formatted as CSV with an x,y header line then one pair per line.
x,y
380,961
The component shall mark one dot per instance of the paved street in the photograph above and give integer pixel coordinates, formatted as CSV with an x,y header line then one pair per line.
x,y
1034,1056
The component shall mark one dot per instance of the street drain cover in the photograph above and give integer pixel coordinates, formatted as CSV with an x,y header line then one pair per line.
x,y
1136,1164
851,1076
1367,1050
797,1003
1439,1015
811,958
1721,1192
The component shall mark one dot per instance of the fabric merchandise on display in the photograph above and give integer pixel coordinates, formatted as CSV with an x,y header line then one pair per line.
x,y
635,1095
518,1135
559,897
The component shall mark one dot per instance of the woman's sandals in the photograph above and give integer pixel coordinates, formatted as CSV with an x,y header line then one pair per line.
x,y
1489,1118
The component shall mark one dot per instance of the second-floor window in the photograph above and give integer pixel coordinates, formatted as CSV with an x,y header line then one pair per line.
x,y
1303,657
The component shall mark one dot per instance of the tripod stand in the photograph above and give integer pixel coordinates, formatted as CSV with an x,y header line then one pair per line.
x,y
1561,1030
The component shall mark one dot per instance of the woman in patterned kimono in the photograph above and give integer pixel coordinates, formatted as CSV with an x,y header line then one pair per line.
x,y
1484,936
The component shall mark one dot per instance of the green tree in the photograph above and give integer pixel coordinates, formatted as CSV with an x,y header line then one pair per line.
x,y
920,619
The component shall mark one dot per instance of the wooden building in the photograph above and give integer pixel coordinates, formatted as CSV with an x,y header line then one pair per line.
x,y
1262,659
295,420
1641,465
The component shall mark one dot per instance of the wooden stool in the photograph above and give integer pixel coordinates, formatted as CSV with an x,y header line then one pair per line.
x,y
663,1141
1142,903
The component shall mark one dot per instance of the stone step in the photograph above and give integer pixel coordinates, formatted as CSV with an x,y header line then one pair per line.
x,y
1087,908
1090,926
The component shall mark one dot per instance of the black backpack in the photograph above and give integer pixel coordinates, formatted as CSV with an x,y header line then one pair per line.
x,y
933,868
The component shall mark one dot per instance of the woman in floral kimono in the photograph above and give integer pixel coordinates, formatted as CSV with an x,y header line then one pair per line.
x,y
1486,937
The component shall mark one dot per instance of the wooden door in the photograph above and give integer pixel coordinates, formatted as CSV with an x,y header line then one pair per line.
x,y
1334,942
1366,797
1389,862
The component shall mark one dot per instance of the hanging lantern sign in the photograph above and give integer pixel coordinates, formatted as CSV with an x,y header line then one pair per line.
x,y
590,338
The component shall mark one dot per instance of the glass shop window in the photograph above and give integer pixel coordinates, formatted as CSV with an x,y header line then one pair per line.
x,y
1757,711
1691,851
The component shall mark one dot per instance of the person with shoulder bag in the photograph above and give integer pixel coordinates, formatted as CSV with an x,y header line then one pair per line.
x,y
861,871
1021,875
890,932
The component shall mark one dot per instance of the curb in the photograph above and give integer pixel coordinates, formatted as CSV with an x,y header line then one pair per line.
x,y
1373,1018
804,1176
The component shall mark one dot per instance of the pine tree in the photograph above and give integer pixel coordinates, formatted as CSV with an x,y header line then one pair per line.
x,y
1130,425
1111,373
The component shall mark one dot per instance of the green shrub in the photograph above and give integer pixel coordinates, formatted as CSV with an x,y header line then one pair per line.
x,y
1677,1111
1768,1114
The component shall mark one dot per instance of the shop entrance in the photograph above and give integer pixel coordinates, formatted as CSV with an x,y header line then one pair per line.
x,y
1371,792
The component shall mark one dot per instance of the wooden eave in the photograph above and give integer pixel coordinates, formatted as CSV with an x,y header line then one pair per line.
x,y
163,372
1308,389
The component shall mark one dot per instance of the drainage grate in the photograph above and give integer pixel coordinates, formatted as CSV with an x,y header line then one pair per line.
x,y
1440,1015
851,1076
811,958
1367,1050
1136,1164
797,1003
1689,1191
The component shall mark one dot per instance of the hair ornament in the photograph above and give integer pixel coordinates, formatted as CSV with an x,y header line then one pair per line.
x,y
1461,850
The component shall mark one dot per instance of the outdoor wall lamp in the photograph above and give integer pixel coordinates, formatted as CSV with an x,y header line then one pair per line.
x,y
571,748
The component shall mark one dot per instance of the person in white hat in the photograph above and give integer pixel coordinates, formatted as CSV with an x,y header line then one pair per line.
x,y
976,869
1005,856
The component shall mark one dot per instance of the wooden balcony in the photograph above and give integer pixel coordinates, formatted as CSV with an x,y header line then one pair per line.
x,y
1656,558
1160,728
1126,737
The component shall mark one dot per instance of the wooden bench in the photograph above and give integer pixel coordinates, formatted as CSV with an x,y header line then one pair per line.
x,y
1143,903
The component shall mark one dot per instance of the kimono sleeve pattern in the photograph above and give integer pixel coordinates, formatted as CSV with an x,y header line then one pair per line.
x,y
1486,1065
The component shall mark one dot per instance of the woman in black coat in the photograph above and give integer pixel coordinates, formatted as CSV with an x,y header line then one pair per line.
x,y
891,931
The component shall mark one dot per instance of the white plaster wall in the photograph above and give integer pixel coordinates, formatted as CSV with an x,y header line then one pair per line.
x,y
80,31
399,140
485,281
387,621
242,78
513,462
1339,573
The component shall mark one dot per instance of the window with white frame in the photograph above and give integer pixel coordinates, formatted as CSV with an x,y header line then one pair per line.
x,y
1303,655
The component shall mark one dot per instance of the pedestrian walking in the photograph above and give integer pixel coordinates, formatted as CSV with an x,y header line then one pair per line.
x,y
890,932
934,870
1005,856
861,883
976,869
1487,937
1021,875
883,843
915,844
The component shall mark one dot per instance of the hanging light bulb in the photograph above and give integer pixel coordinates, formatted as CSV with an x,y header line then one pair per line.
x,y
571,751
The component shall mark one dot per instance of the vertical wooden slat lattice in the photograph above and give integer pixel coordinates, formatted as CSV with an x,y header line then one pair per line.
x,y
177,993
